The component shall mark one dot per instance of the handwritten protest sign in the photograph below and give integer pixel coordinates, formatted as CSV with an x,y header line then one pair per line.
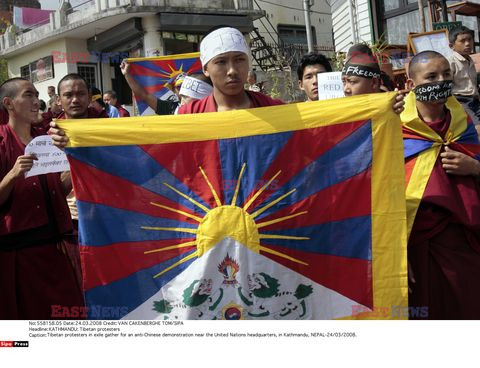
x,y
50,158
329,85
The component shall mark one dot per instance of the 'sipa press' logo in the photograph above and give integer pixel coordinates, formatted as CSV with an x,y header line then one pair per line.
x,y
13,344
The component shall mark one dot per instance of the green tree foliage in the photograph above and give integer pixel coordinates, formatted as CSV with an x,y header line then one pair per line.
x,y
4,24
3,70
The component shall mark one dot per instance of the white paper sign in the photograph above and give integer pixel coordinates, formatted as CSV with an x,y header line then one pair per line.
x,y
330,85
50,158
436,42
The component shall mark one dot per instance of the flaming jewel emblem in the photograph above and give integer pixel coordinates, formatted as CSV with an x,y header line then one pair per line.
x,y
229,268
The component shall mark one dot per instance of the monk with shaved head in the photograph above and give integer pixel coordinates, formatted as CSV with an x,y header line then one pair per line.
x,y
35,272
443,204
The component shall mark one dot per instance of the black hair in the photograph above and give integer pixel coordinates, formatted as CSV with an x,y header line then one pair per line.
x,y
361,53
95,91
71,76
312,59
359,48
420,58
454,33
9,88
112,94
43,105
386,81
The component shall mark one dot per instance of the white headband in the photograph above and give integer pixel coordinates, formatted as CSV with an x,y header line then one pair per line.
x,y
220,41
195,88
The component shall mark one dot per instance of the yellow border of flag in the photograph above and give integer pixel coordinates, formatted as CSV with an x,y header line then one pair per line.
x,y
166,57
389,238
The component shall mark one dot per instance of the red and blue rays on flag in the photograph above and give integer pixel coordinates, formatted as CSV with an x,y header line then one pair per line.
x,y
155,73
311,203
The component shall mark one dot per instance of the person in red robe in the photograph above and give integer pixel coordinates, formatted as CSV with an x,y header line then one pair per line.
x,y
224,54
74,97
361,74
3,116
444,242
36,274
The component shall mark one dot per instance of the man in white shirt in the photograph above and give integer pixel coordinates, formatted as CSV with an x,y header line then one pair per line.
x,y
465,87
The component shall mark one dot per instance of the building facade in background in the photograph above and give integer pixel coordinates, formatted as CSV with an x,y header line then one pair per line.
x,y
370,20
93,38
284,24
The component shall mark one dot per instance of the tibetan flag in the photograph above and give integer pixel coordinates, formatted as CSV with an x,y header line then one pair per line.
x,y
285,212
423,146
155,73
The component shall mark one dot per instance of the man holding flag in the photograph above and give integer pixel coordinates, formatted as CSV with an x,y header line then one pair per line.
x,y
224,54
34,218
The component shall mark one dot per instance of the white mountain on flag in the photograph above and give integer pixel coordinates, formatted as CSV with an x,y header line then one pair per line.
x,y
232,282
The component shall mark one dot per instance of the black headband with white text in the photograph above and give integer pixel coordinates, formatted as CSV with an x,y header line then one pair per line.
x,y
359,70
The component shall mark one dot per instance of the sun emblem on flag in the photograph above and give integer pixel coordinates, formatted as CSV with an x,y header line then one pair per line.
x,y
227,220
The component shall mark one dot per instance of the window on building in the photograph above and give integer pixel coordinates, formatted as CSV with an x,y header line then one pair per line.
x,y
397,25
397,18
181,43
25,72
89,73
290,34
38,70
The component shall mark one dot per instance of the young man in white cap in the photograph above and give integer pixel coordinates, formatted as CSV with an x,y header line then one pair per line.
x,y
194,87
224,54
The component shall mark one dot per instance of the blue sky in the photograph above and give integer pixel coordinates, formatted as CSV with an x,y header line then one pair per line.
x,y
49,4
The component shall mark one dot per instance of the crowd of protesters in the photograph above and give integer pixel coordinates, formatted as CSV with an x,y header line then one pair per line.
x,y
39,261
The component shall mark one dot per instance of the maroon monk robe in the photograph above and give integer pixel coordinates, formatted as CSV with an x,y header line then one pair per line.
x,y
35,272
444,245
3,116
92,114
122,111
